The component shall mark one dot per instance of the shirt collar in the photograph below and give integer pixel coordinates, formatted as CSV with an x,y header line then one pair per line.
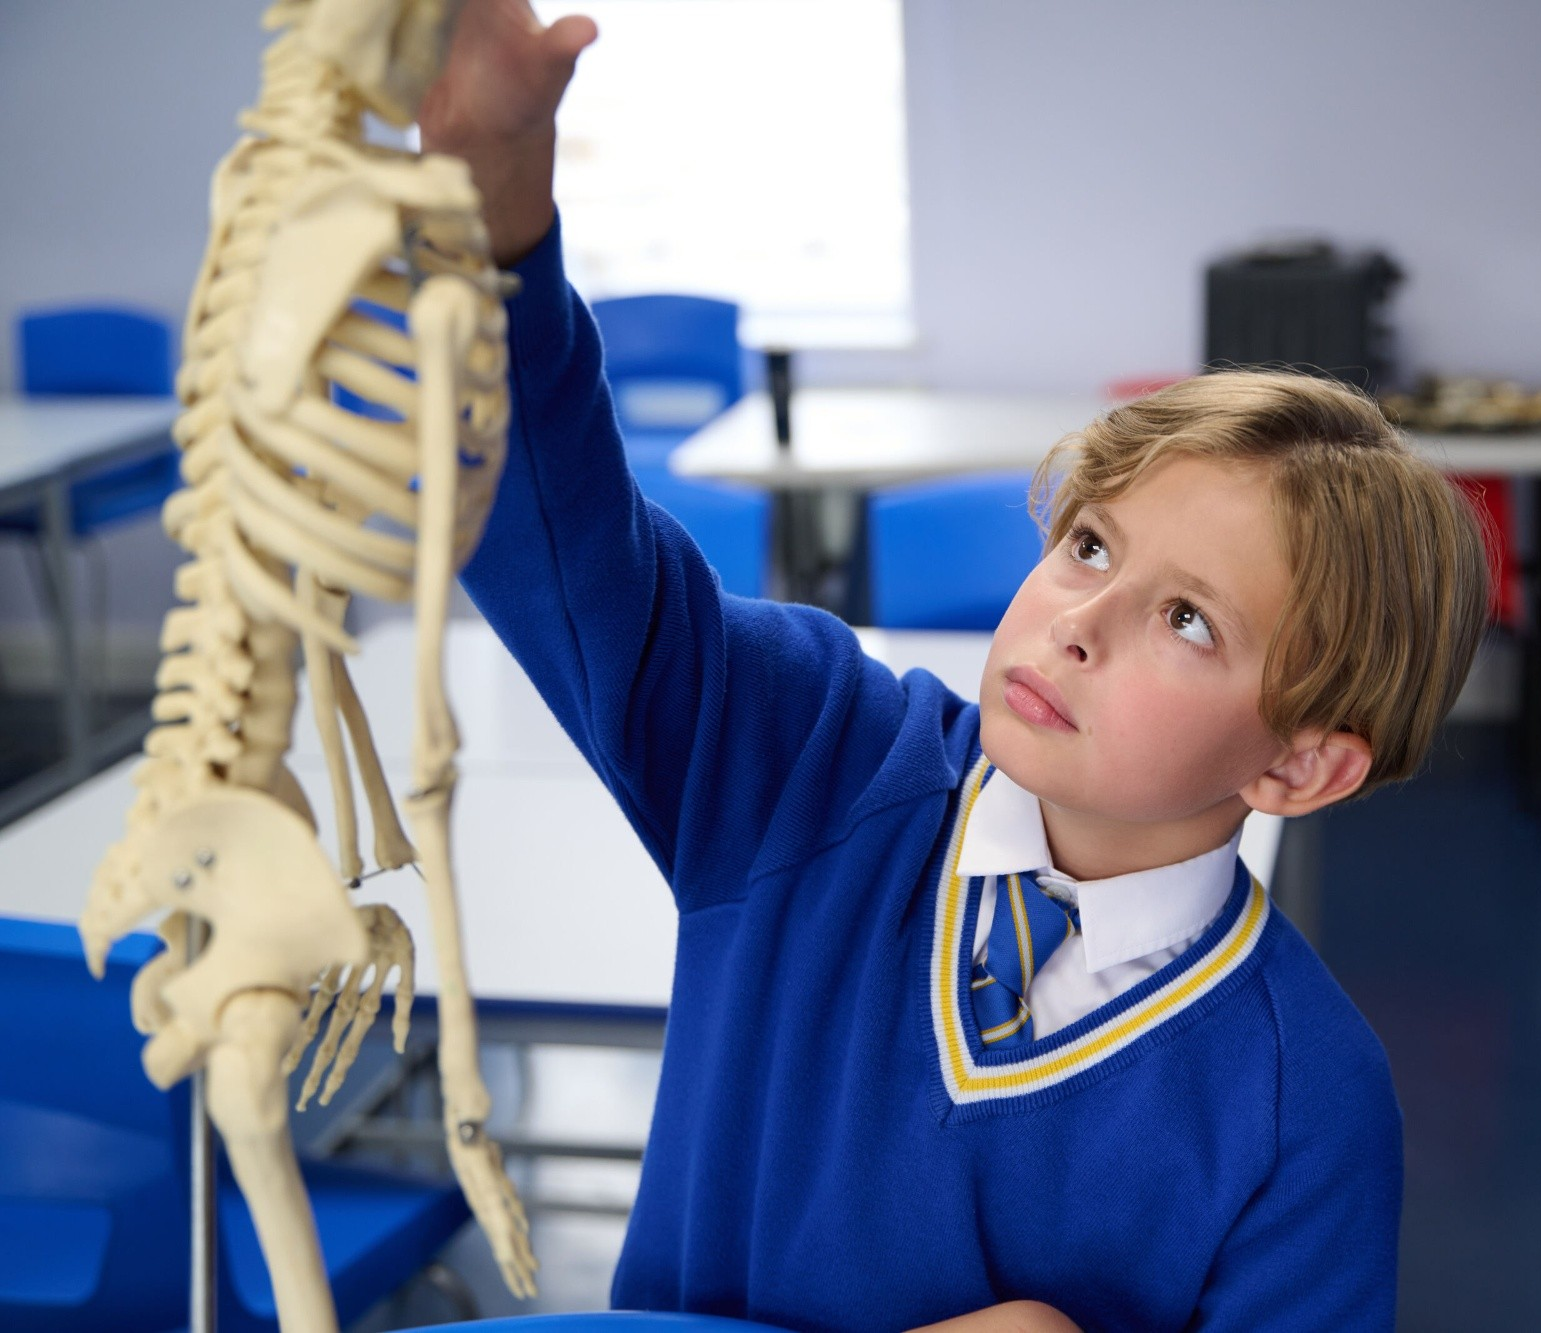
x,y
1122,918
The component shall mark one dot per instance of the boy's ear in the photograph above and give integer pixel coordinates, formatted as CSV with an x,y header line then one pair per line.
x,y
1319,768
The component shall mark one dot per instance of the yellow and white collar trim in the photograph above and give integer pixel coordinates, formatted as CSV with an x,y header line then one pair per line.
x,y
967,1081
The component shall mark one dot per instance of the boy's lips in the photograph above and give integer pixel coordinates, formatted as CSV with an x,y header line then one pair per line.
x,y
1030,695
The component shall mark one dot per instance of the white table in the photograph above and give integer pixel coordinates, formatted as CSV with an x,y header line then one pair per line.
x,y
42,438
530,822
46,444
861,439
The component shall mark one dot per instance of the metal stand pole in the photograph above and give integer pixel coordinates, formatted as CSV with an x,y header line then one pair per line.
x,y
202,1315
56,560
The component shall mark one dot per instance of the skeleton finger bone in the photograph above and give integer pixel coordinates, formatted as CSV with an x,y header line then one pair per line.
x,y
344,1006
320,1002
390,949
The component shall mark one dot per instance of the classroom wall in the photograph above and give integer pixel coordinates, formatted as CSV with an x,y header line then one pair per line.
x,y
115,115
1073,166
1076,165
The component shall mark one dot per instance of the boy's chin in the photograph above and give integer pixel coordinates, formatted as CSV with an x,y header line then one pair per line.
x,y
1016,756
1046,775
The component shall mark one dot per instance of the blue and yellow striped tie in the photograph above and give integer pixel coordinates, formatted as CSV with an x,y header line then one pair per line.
x,y
1028,927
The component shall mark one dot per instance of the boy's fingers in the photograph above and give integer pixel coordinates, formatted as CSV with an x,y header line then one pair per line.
x,y
568,36
563,42
508,44
505,74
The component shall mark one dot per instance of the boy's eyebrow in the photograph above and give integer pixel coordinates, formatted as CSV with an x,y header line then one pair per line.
x,y
1105,519
1209,593
1202,587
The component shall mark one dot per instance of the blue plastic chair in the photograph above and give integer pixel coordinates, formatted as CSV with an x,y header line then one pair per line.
x,y
93,1170
950,554
99,351
95,349
673,363
604,1321
94,1176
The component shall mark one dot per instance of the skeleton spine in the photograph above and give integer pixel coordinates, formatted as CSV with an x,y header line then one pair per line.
x,y
225,689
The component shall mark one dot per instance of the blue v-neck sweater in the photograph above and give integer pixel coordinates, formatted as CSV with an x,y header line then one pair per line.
x,y
832,1148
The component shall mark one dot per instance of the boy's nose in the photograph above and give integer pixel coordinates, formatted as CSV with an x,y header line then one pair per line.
x,y
1085,627
1071,634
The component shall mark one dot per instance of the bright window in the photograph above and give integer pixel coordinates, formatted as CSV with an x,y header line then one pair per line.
x,y
748,149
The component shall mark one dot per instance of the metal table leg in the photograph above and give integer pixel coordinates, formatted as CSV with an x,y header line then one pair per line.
x,y
56,561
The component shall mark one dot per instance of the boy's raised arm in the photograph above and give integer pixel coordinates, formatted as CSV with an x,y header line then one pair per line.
x,y
714,720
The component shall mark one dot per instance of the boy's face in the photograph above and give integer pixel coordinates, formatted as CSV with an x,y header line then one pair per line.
x,y
1123,682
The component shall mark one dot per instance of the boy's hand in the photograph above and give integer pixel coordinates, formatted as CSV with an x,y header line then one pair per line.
x,y
495,106
1012,1317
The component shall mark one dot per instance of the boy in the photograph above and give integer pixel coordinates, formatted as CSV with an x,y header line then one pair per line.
x,y
1252,598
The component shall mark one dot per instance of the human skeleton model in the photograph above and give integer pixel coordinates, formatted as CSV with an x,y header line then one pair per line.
x,y
292,505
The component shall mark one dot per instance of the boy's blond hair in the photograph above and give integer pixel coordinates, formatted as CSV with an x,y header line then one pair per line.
x,y
1390,573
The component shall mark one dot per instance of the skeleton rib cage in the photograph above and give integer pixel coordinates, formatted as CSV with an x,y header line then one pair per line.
x,y
332,265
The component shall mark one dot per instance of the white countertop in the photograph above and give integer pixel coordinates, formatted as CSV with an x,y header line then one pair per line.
x,y
860,439
39,436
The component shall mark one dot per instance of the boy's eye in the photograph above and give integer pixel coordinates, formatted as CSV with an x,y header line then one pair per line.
x,y
1187,622
1087,548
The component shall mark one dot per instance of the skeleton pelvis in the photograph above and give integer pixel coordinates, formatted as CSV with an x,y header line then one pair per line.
x,y
249,866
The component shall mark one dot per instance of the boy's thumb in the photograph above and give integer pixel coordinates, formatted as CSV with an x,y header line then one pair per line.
x,y
568,36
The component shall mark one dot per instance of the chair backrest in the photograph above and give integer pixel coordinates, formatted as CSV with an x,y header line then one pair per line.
x,y
93,1166
730,524
950,554
674,362
94,350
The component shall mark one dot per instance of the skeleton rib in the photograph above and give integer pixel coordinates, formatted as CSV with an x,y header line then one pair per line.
x,y
386,445
319,458
389,553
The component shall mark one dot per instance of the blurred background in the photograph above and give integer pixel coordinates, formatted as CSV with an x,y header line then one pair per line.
x,y
1008,204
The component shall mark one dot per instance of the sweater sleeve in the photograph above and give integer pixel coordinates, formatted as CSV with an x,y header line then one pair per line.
x,y
1316,1245
732,731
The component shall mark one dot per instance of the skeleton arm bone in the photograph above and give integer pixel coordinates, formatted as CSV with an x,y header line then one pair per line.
x,y
318,668
444,323
392,849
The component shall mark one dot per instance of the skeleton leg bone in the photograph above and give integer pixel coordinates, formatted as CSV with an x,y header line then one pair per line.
x,y
247,1102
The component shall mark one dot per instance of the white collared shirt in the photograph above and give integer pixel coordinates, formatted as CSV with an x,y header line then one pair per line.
x,y
1131,925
